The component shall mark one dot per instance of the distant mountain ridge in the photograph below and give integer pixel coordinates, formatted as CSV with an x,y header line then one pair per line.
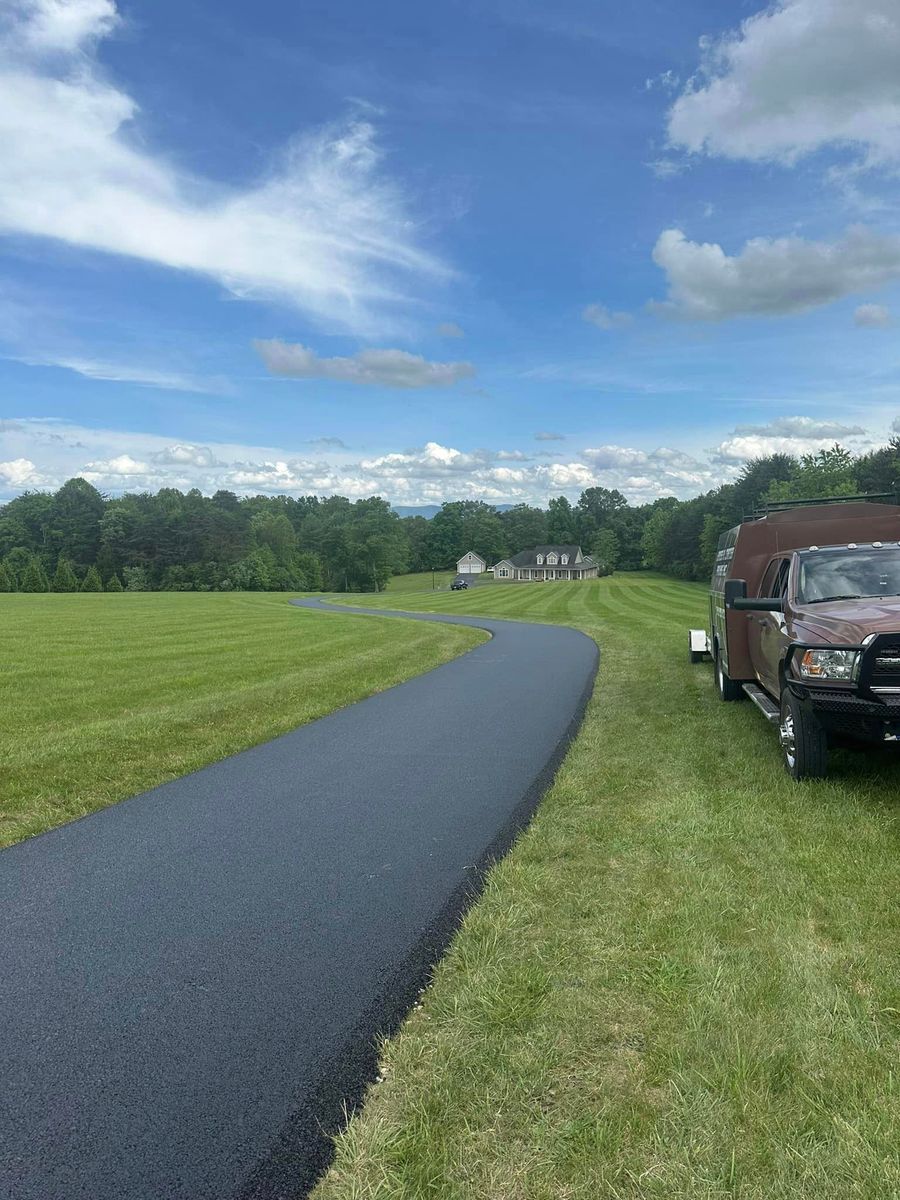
x,y
429,510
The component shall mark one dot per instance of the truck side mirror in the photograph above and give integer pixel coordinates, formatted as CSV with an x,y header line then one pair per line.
x,y
735,589
736,599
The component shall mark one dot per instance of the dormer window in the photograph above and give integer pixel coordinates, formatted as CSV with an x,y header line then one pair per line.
x,y
540,560
565,560
552,560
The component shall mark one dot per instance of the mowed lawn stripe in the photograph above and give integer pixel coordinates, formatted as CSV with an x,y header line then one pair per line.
x,y
682,981
102,697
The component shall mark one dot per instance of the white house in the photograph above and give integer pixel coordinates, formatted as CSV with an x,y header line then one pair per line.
x,y
471,564
546,562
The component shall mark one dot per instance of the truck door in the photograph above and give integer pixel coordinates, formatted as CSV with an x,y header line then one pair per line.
x,y
765,633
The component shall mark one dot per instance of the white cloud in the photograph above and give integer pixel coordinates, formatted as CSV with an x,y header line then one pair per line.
x,y
872,316
19,473
548,436
44,453
603,318
56,26
615,456
771,276
666,168
123,466
185,454
795,77
789,435
383,368
153,377
449,329
803,427
324,231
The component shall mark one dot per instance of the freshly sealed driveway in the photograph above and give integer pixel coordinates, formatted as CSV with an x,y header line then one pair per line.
x,y
191,980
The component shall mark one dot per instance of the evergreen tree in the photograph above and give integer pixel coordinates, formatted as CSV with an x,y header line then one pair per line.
x,y
65,579
114,584
92,581
34,578
136,579
7,582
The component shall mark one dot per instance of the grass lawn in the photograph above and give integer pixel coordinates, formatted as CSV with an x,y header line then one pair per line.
x,y
682,982
421,582
102,696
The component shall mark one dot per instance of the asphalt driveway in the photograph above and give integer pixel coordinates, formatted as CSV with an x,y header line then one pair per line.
x,y
192,981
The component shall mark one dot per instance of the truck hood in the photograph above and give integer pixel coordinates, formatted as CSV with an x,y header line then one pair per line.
x,y
846,621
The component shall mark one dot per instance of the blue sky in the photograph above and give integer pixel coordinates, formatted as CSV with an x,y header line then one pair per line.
x,y
501,249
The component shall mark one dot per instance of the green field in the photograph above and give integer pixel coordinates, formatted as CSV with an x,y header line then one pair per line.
x,y
103,696
424,582
683,980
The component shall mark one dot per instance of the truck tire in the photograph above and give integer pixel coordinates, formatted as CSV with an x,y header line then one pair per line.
x,y
804,743
728,689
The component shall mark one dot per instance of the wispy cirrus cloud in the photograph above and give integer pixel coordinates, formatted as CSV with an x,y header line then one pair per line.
x,y
325,230
142,376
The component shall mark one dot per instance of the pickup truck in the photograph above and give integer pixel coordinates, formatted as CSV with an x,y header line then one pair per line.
x,y
805,621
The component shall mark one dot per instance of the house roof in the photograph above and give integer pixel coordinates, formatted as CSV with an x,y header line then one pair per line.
x,y
473,554
528,558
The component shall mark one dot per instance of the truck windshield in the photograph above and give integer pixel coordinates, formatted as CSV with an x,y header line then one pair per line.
x,y
849,574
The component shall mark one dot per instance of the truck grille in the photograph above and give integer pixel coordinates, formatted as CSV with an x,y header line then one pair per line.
x,y
886,668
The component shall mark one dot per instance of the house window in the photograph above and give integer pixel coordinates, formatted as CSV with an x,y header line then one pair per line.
x,y
503,573
552,559
540,560
565,559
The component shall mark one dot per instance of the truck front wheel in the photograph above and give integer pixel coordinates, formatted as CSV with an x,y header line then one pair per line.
x,y
727,688
804,744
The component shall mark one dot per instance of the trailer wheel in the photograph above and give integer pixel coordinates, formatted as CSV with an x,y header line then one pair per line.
x,y
727,687
804,743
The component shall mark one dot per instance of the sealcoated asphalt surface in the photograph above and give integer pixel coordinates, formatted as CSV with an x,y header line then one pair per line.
x,y
192,981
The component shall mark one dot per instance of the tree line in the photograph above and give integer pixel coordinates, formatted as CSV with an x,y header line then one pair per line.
x,y
77,539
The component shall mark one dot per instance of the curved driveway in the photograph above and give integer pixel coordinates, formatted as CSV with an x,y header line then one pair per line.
x,y
193,980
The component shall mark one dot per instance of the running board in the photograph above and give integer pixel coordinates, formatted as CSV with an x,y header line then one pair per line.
x,y
763,702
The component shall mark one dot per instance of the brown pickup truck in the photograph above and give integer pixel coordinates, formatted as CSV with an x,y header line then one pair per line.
x,y
805,621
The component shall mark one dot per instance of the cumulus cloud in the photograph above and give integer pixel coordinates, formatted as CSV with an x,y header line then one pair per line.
x,y
615,456
123,466
449,329
19,473
803,427
771,276
872,316
324,230
603,318
797,76
383,368
44,453
788,435
185,454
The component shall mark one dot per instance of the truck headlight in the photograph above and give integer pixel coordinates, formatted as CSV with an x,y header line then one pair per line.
x,y
829,664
